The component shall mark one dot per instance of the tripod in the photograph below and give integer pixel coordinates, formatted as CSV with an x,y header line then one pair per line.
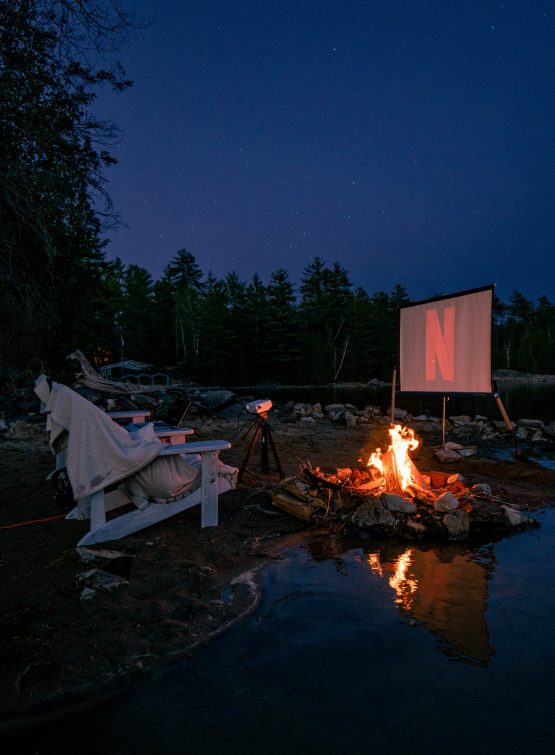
x,y
263,430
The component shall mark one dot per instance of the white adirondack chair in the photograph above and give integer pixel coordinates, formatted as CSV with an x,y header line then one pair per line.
x,y
96,506
106,460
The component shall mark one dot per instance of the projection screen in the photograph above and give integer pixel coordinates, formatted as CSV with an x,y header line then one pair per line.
x,y
445,344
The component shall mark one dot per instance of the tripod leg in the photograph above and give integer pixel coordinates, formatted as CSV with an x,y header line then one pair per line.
x,y
274,452
247,457
264,464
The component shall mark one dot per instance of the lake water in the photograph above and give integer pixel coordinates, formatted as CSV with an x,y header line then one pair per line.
x,y
357,647
521,400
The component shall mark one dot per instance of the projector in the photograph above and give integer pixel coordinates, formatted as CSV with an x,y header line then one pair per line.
x,y
259,406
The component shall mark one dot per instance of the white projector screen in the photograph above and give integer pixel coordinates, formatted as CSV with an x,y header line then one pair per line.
x,y
445,344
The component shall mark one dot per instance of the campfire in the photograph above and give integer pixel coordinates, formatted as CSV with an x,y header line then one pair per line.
x,y
390,472
386,494
396,472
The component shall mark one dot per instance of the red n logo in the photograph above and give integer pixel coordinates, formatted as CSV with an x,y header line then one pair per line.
x,y
440,344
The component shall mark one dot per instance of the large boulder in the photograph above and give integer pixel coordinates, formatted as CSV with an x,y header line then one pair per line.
x,y
372,514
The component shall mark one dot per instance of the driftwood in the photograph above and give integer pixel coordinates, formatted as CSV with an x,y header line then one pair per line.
x,y
89,378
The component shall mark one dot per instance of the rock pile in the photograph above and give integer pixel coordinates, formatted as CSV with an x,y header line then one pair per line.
x,y
173,403
448,510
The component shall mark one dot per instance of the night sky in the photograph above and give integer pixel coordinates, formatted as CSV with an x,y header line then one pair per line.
x,y
413,142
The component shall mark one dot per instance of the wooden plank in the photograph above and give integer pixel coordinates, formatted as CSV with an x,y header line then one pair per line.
x,y
133,416
197,447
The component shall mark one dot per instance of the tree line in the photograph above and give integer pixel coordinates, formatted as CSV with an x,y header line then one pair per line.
x,y
59,292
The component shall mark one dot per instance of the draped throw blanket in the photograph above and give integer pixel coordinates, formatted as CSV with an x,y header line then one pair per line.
x,y
100,452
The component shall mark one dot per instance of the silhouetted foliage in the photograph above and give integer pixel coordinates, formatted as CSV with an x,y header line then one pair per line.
x,y
53,202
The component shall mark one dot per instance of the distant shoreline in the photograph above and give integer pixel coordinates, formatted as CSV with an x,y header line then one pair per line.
x,y
512,376
500,376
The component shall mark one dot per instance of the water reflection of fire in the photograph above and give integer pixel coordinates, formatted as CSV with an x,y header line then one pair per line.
x,y
401,580
395,466
445,591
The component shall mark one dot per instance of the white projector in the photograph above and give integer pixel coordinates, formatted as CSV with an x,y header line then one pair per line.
x,y
259,406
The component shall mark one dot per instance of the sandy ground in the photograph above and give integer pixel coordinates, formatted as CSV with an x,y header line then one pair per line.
x,y
185,584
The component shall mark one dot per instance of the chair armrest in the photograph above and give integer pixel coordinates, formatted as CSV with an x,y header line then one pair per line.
x,y
198,447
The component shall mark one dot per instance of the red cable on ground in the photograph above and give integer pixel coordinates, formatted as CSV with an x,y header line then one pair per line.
x,y
31,521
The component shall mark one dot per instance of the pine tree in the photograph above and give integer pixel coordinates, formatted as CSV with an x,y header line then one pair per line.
x,y
185,277
137,317
282,355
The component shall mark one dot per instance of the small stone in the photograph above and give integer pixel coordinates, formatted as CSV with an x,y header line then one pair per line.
x,y
481,487
399,413
89,556
452,479
416,528
97,579
349,419
537,437
521,433
308,420
334,408
460,419
452,446
446,455
514,517
446,502
87,595
457,524
468,451
530,423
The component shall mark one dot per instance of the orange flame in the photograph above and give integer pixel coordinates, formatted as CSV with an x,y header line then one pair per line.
x,y
402,441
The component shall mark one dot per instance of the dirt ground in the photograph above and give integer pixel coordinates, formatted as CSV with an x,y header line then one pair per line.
x,y
185,584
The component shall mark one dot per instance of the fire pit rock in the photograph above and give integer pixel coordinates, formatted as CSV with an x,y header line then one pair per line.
x,y
399,504
372,515
446,502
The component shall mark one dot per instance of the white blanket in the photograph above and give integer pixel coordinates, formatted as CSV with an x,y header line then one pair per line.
x,y
99,452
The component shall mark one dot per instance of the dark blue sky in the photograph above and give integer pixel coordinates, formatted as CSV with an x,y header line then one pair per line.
x,y
413,142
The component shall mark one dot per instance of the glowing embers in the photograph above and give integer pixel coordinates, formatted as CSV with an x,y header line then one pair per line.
x,y
395,467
